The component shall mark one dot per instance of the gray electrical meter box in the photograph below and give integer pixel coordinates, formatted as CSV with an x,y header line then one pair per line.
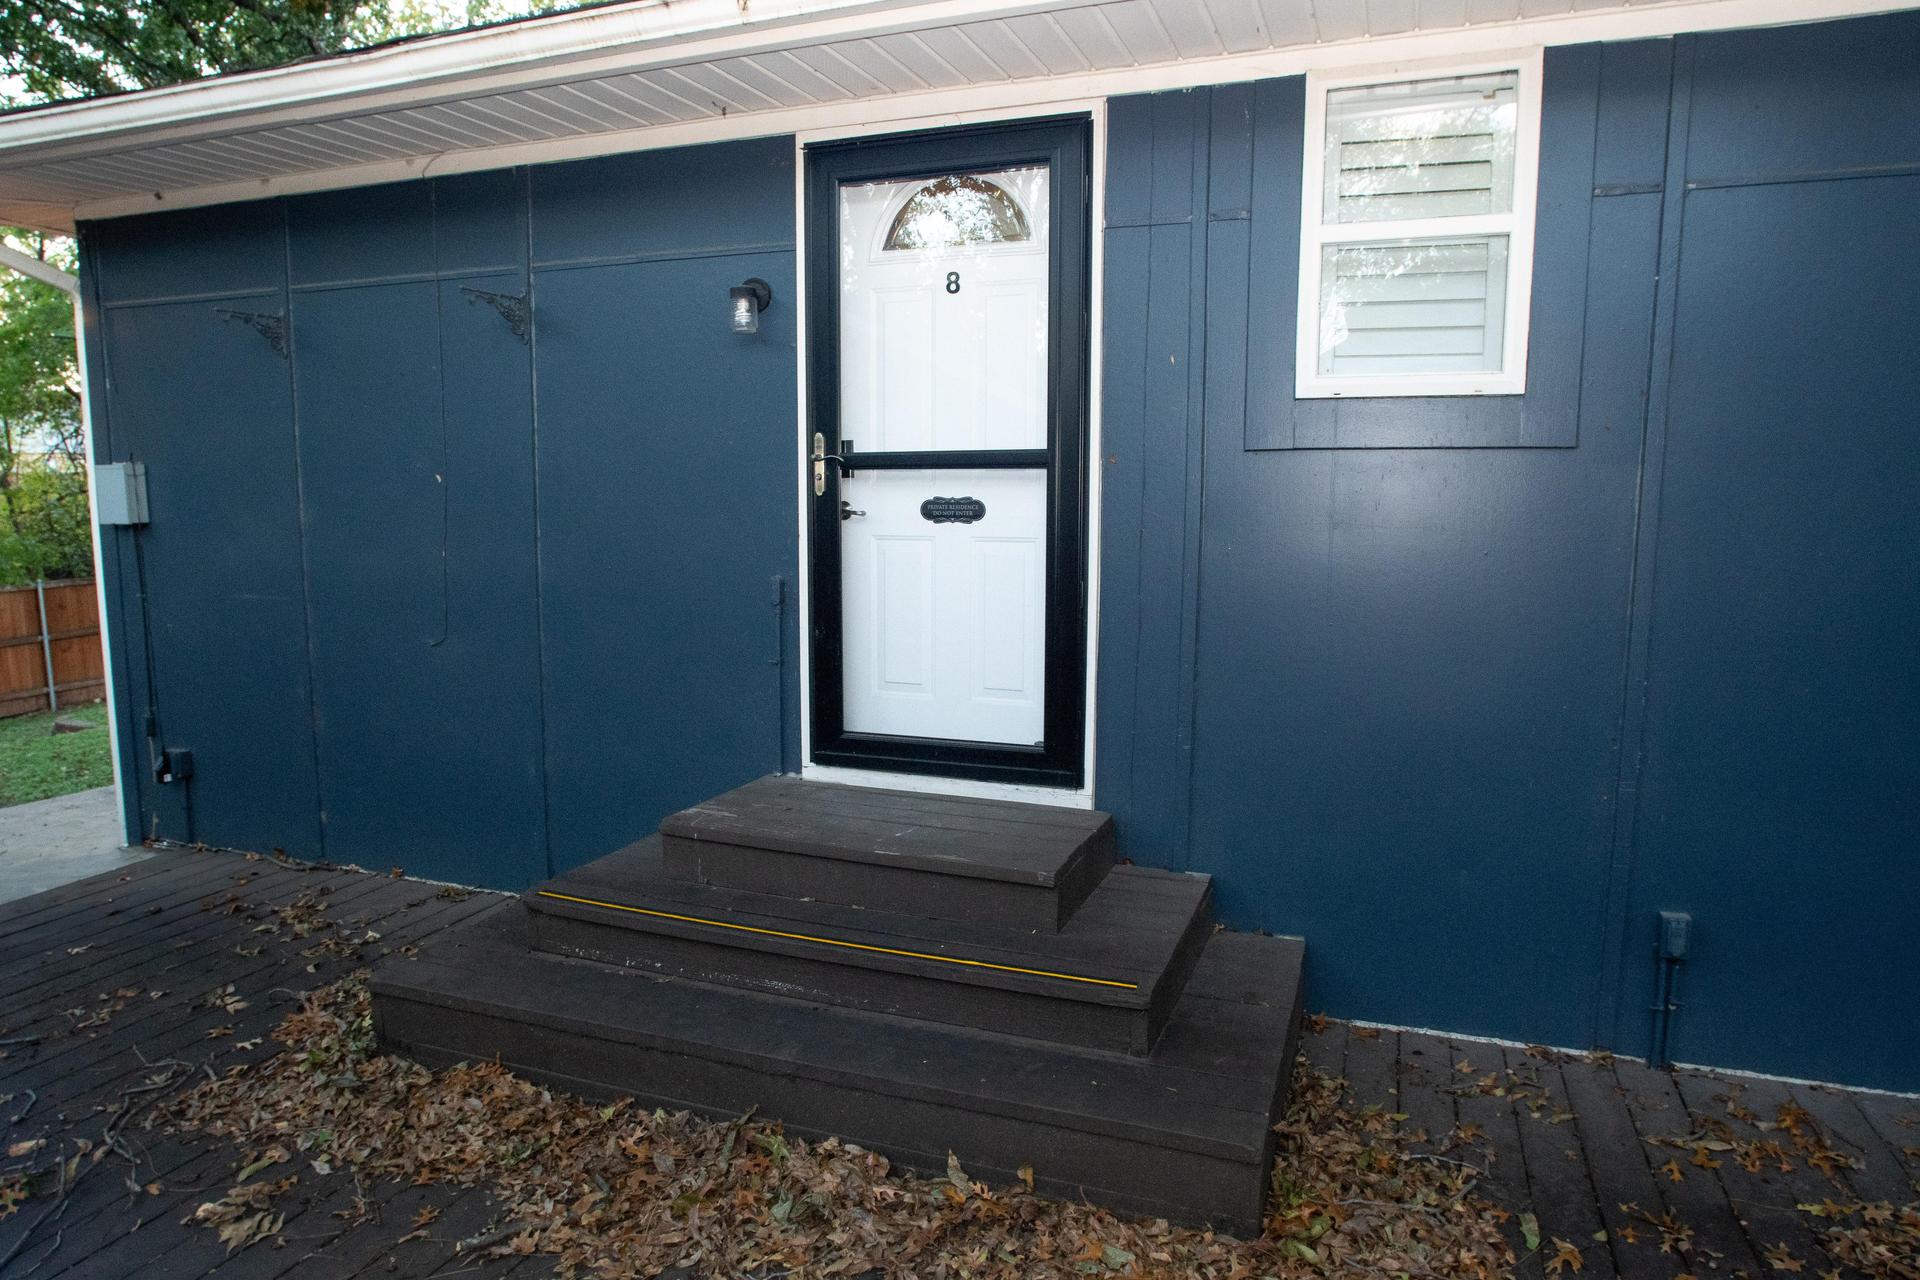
x,y
120,493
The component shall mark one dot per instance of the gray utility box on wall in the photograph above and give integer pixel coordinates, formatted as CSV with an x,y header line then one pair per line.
x,y
120,493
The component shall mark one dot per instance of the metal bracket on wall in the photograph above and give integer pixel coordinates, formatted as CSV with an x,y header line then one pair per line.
x,y
513,308
269,325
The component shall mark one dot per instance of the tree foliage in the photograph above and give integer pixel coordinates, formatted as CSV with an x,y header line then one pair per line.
x,y
81,48
58,49
44,524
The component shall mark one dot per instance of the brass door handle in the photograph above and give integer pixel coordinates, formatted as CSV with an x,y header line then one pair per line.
x,y
820,458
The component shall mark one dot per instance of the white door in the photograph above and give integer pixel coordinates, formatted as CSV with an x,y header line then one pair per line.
x,y
943,347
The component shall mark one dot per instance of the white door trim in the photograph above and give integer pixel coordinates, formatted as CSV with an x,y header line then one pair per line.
x,y
1078,797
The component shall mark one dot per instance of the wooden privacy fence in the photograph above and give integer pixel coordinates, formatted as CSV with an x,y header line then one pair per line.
x,y
49,647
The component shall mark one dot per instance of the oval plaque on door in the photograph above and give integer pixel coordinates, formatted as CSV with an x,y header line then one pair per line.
x,y
953,510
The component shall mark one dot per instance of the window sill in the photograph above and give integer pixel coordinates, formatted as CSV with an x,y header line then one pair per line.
x,y
1409,389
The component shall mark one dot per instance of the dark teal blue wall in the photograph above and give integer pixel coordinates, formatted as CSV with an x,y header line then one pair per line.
x,y
422,591
1779,786
1464,690
1467,691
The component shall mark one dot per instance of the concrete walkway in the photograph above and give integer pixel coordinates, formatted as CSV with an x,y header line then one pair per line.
x,y
48,843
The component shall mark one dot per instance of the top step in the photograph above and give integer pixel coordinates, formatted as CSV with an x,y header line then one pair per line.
x,y
942,857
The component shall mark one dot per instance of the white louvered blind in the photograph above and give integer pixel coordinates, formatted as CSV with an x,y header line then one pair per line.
x,y
1409,257
1430,306
1421,149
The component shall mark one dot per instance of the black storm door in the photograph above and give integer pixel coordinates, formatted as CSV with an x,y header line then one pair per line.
x,y
947,319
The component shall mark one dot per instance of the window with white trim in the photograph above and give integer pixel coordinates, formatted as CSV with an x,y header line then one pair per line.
x,y
1416,231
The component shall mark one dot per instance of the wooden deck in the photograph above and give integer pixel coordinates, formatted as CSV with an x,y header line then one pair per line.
x,y
1596,1144
115,973
1570,1141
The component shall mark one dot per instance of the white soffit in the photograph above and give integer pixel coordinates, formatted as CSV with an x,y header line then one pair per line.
x,y
650,74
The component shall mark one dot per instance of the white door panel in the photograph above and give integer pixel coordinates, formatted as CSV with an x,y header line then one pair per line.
x,y
1005,648
901,389
1010,409
964,325
943,346
902,618
944,624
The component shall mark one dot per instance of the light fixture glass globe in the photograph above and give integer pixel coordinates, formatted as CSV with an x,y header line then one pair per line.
x,y
746,316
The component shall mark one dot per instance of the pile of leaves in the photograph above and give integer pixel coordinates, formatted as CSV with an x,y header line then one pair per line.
x,y
619,1190
1879,1239
1801,1137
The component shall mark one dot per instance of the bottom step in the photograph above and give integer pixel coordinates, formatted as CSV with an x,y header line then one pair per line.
x,y
1185,1134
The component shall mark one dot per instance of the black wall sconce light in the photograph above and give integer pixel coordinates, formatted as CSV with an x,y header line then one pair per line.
x,y
748,301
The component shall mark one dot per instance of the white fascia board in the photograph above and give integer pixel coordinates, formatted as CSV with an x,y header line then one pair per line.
x,y
1640,22
529,54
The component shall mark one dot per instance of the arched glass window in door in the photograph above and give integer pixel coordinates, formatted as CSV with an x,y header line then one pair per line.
x,y
957,210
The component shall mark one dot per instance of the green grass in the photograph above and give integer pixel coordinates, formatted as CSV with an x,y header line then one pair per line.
x,y
36,762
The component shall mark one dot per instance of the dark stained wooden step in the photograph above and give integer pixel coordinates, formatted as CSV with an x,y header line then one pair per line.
x,y
1107,980
1185,1133
952,857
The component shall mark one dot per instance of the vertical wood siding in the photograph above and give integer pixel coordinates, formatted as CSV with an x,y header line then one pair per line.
x,y
1467,690
1464,690
420,591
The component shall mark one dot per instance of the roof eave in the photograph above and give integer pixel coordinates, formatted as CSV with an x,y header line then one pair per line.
x,y
108,157
435,66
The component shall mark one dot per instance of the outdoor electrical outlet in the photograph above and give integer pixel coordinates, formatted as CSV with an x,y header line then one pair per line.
x,y
176,765
1675,928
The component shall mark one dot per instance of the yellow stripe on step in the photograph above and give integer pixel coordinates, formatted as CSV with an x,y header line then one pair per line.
x,y
836,942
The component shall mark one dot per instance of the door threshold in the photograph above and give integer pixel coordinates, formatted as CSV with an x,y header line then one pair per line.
x,y
1064,797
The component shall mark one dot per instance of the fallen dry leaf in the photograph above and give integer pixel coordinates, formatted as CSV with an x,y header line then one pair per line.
x,y
1781,1258
244,1215
617,1190
1880,1239
1565,1257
